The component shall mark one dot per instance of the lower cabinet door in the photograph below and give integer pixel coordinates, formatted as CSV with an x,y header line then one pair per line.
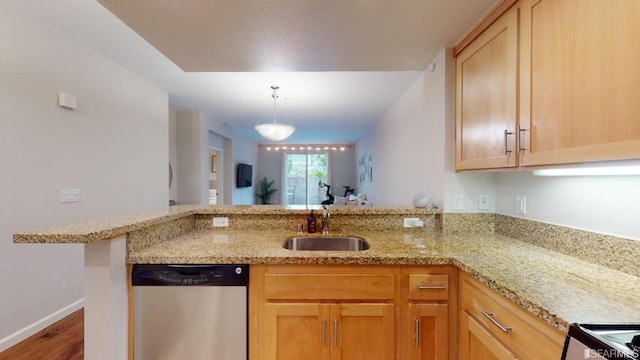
x,y
362,331
295,331
328,331
429,329
476,343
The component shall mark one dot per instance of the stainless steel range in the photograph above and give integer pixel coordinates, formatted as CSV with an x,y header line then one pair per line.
x,y
602,341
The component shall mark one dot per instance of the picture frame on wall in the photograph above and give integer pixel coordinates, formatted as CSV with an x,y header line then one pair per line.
x,y
369,167
365,167
361,169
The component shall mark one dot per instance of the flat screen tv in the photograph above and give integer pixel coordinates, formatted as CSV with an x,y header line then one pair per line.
x,y
245,173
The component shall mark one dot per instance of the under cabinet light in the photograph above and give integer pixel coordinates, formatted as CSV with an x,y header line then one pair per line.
x,y
591,171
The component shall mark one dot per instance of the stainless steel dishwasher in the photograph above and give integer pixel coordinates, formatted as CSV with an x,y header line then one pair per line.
x,y
190,312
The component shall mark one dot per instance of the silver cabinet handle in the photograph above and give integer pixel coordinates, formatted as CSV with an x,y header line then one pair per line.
x,y
335,333
519,147
416,335
324,333
429,287
495,322
506,140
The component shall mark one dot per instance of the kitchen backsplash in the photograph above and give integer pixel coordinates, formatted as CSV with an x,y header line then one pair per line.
x,y
613,252
610,251
468,223
345,221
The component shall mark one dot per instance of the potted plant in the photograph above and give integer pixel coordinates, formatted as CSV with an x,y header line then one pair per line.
x,y
265,191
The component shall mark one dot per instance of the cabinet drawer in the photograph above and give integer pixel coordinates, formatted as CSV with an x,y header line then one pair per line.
x,y
329,287
524,334
428,287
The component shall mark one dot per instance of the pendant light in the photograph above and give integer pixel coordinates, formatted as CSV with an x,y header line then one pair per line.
x,y
273,131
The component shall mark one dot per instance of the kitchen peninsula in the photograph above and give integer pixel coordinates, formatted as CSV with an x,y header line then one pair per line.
x,y
555,288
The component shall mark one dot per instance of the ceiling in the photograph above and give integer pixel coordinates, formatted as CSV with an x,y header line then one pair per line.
x,y
340,64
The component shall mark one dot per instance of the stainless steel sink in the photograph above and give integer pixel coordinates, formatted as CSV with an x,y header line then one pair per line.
x,y
326,243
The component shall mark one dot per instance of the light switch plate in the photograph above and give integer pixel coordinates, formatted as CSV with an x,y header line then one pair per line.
x,y
69,195
458,202
521,204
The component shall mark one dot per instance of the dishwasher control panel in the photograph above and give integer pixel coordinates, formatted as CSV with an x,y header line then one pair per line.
x,y
190,275
174,277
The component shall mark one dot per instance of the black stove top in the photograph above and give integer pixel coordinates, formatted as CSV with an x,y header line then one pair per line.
x,y
608,341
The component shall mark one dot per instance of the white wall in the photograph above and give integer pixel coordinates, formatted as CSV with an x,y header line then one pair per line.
x,y
270,166
194,138
602,204
192,151
407,144
113,148
173,155
342,171
397,150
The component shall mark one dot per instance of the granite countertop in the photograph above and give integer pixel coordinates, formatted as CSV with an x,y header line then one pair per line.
x,y
557,288
89,231
99,229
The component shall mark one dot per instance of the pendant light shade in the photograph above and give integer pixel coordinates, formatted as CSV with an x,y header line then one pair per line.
x,y
272,130
275,132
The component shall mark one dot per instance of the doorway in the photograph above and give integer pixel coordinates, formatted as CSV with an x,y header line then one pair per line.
x,y
215,176
303,177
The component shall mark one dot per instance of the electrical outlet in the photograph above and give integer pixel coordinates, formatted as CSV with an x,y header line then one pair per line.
x,y
410,222
458,202
220,221
69,195
521,204
483,202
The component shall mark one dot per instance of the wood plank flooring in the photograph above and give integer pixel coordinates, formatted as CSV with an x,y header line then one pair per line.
x,y
63,340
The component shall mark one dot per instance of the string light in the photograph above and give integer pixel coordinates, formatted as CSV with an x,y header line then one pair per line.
x,y
318,147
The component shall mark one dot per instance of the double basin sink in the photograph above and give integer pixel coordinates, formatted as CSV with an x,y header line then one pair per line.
x,y
326,243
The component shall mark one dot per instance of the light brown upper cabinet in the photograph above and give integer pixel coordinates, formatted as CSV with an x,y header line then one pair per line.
x,y
579,81
564,90
486,94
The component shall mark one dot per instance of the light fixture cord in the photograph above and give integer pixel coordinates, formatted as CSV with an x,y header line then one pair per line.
x,y
275,97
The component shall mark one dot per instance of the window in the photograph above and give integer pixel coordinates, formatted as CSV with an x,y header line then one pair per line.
x,y
304,175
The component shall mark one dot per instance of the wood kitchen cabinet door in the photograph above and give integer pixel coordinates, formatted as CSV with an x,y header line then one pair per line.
x,y
328,331
429,326
486,94
580,81
296,331
476,343
492,324
363,331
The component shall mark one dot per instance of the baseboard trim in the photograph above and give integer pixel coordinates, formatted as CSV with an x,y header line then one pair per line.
x,y
32,329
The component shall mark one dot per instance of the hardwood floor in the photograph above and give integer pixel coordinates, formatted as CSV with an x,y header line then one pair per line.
x,y
63,340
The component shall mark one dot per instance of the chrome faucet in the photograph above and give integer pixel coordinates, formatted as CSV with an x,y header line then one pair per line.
x,y
325,220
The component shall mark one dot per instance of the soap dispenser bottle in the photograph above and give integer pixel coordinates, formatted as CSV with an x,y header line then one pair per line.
x,y
311,223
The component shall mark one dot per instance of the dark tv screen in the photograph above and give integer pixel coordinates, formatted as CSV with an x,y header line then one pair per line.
x,y
245,172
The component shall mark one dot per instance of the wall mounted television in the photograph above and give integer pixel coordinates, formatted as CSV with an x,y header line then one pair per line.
x,y
245,173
